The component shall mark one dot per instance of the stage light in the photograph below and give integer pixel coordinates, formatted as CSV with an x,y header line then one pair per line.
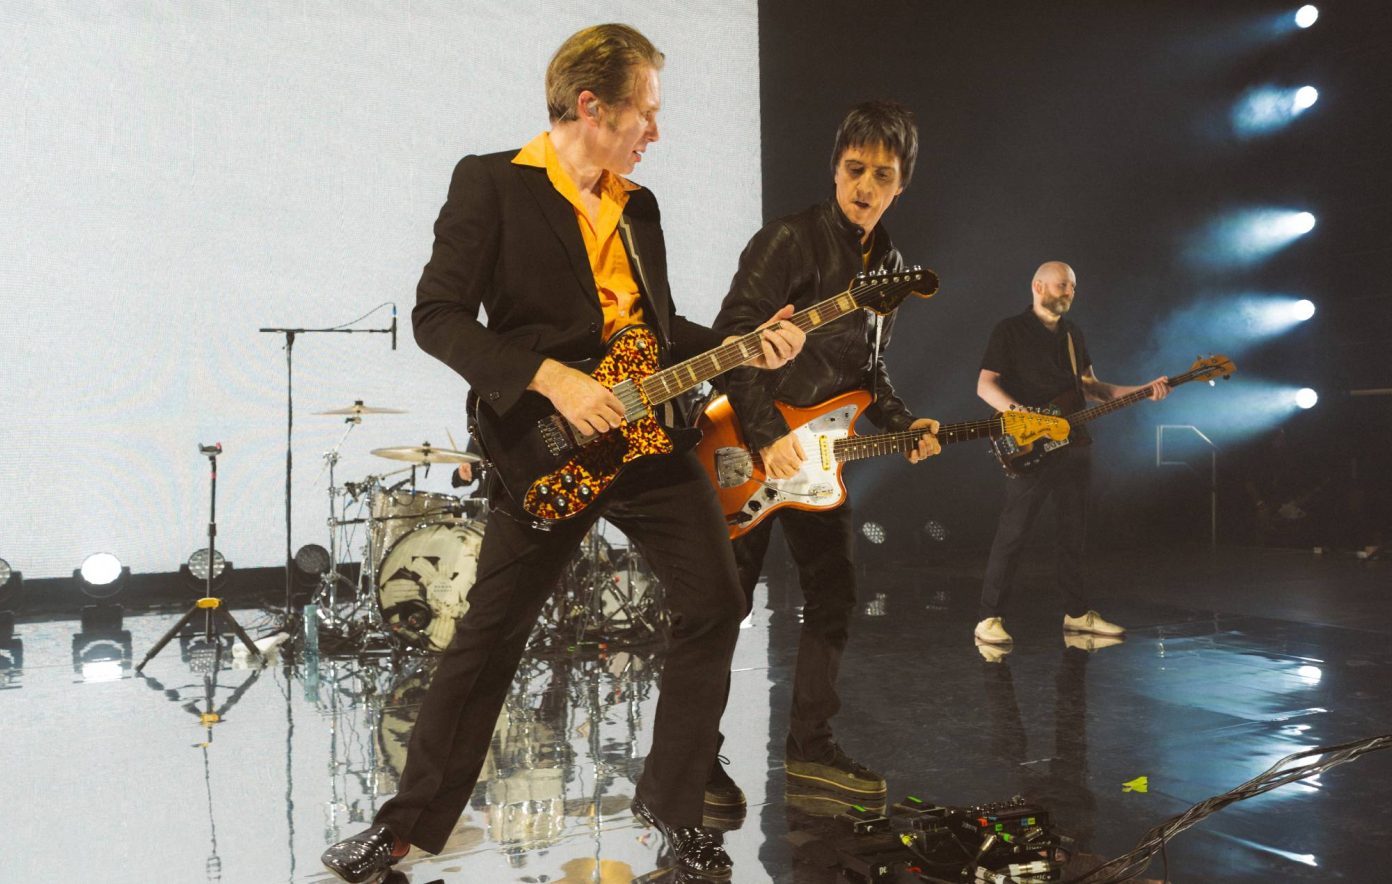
x,y
1306,398
1303,309
1306,16
873,532
1245,237
102,575
935,530
1267,108
195,570
10,582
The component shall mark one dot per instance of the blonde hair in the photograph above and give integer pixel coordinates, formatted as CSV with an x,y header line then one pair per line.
x,y
603,59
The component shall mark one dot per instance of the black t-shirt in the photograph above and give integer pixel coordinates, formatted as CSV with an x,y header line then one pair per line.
x,y
1033,361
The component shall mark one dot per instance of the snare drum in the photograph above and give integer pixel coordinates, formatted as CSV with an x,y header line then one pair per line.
x,y
396,513
425,578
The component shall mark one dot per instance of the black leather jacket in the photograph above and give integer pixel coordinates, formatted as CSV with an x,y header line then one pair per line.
x,y
800,260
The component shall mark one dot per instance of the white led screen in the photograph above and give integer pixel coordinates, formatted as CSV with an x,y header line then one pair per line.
x,y
177,175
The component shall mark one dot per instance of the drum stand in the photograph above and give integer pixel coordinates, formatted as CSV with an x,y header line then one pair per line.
x,y
212,607
328,582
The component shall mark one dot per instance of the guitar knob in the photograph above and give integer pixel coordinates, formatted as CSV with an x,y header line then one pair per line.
x,y
561,504
568,480
544,491
755,506
770,493
585,491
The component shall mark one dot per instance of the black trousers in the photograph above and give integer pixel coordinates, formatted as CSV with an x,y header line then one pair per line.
x,y
1065,475
821,544
666,506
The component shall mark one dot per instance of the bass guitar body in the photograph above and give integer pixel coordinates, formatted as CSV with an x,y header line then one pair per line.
x,y
1023,459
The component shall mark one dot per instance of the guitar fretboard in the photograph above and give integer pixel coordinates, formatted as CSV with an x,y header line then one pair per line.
x,y
669,383
858,447
1096,411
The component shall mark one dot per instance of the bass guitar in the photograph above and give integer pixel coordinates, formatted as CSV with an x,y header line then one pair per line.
x,y
1022,459
827,434
553,471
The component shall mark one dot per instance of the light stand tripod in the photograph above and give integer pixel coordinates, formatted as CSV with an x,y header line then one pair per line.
x,y
212,607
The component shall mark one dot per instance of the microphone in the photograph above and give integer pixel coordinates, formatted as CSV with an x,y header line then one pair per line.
x,y
393,326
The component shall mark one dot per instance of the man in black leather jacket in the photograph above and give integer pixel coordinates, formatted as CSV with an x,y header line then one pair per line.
x,y
800,260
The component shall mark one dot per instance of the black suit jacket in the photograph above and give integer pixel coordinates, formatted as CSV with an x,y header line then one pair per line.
x,y
506,241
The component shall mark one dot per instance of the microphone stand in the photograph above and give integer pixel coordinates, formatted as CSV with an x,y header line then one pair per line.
x,y
290,334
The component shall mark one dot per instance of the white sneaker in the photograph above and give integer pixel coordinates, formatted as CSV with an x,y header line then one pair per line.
x,y
1091,643
991,632
993,653
1091,622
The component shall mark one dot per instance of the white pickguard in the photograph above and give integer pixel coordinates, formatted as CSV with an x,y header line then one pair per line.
x,y
816,483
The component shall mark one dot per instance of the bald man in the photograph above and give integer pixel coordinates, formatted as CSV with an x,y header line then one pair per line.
x,y
1032,358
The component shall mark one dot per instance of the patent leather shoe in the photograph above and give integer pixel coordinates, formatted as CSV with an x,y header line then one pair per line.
x,y
696,849
362,857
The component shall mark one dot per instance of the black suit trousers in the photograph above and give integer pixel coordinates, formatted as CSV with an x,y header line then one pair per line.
x,y
666,506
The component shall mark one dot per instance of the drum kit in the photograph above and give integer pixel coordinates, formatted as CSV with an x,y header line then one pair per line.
x,y
420,558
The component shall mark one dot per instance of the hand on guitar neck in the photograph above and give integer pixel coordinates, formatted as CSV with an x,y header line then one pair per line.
x,y
785,457
1102,392
592,408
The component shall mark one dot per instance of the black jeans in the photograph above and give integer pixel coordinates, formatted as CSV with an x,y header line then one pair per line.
x,y
665,505
1065,475
821,543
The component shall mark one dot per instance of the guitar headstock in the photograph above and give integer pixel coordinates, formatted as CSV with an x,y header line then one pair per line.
x,y
1025,425
883,290
1211,368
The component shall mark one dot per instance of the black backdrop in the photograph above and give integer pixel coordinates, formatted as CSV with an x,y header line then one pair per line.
x,y
1099,133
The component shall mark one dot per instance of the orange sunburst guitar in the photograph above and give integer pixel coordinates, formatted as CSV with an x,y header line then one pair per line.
x,y
827,434
553,472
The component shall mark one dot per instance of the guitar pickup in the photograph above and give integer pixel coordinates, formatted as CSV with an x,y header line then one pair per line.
x,y
733,467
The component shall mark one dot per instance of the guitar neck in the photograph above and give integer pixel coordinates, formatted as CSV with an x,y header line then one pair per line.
x,y
860,447
670,383
1129,399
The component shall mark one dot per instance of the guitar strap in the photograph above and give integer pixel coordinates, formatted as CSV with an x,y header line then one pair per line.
x,y
875,361
1073,361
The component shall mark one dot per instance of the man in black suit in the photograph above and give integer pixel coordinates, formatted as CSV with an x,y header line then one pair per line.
x,y
561,251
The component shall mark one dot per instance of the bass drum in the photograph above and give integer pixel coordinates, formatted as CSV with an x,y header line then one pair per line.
x,y
424,582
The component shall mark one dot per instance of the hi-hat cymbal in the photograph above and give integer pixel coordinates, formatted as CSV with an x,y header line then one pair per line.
x,y
426,453
358,408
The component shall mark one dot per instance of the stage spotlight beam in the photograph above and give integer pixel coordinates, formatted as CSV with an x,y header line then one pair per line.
x,y
1305,97
1303,309
1306,397
1306,15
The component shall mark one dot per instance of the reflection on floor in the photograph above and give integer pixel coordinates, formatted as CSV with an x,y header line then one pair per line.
x,y
206,769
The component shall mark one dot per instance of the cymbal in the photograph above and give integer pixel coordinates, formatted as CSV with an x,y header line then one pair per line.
x,y
426,453
358,408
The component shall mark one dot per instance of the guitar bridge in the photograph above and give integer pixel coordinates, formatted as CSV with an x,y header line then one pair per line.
x,y
555,435
733,467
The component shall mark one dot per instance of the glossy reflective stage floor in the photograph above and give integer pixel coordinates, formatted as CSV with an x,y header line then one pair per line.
x,y
1234,661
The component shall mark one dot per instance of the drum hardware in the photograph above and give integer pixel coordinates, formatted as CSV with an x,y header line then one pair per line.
x,y
426,453
357,409
607,595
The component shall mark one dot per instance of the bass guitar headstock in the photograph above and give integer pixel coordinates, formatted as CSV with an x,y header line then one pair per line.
x,y
1210,368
